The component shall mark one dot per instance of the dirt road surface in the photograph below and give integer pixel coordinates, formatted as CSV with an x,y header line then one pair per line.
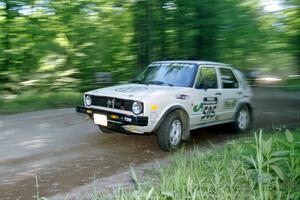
x,y
64,150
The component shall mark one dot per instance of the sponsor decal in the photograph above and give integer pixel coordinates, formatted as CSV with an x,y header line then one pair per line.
x,y
127,119
182,96
208,111
198,108
210,100
207,107
230,103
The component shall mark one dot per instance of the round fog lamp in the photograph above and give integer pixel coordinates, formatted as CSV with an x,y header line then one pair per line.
x,y
137,107
88,100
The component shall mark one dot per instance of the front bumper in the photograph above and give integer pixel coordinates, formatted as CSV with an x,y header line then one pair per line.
x,y
115,119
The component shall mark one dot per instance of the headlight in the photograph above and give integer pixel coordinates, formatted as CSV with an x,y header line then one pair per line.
x,y
88,100
137,107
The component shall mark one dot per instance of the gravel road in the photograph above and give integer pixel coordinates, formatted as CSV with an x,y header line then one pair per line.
x,y
64,150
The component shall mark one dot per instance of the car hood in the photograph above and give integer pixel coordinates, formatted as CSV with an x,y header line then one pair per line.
x,y
137,91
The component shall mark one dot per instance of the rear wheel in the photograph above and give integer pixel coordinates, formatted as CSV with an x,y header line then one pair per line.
x,y
242,119
170,132
105,130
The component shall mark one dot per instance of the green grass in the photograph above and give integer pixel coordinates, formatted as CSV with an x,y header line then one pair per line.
x,y
292,84
262,167
34,101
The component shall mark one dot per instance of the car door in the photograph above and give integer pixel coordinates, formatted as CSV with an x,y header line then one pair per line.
x,y
205,96
231,93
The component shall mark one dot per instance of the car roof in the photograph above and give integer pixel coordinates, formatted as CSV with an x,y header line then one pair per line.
x,y
199,62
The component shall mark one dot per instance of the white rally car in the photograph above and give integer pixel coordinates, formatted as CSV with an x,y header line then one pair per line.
x,y
170,98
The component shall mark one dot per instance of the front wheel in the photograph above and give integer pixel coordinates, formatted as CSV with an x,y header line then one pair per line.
x,y
170,132
242,119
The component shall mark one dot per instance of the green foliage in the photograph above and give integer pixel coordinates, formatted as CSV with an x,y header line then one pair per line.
x,y
41,42
44,38
34,101
291,84
209,30
265,168
276,166
292,26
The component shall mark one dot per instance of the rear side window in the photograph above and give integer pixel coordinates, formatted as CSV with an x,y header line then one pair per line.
x,y
207,78
228,79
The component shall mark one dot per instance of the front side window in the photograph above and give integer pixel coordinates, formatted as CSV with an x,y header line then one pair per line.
x,y
207,78
229,80
171,74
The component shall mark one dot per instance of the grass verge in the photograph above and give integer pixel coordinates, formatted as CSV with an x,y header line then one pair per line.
x,y
264,167
32,102
292,84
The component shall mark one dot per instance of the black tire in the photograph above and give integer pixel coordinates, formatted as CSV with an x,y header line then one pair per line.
x,y
242,112
105,130
166,140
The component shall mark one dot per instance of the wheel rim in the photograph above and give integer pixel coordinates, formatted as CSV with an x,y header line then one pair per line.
x,y
243,119
175,132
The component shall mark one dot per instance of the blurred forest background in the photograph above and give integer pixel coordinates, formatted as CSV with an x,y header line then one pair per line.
x,y
50,50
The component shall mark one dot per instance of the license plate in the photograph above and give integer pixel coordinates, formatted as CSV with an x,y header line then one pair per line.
x,y
100,119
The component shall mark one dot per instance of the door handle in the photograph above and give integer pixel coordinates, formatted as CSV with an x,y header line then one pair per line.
x,y
218,93
239,92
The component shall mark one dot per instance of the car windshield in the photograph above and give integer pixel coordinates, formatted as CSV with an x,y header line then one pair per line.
x,y
169,74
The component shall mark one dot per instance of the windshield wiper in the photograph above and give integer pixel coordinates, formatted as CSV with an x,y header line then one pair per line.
x,y
159,83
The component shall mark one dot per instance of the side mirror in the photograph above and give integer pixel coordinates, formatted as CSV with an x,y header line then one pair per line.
x,y
202,85
209,84
205,84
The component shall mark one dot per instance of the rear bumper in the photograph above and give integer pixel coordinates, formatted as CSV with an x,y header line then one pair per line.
x,y
115,119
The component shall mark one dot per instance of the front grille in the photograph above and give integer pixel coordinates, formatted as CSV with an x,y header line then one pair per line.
x,y
111,102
